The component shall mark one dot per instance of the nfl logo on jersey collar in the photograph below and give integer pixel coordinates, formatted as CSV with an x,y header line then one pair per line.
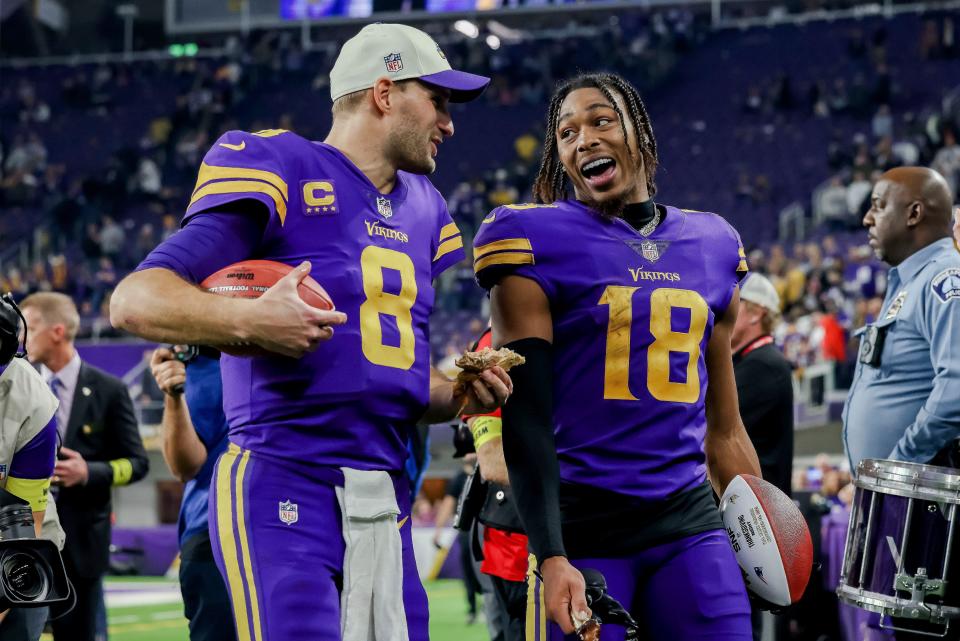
x,y
384,207
289,512
650,250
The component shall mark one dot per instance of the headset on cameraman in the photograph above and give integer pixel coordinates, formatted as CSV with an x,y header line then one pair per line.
x,y
10,318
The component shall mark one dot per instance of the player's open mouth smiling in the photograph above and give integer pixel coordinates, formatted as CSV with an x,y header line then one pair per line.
x,y
599,171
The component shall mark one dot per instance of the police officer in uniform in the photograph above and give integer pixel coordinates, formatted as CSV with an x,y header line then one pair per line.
x,y
904,403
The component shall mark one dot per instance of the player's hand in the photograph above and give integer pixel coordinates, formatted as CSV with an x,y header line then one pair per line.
x,y
281,322
564,592
490,391
169,372
71,470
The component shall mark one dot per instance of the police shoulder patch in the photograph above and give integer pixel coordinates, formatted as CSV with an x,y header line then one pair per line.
x,y
946,284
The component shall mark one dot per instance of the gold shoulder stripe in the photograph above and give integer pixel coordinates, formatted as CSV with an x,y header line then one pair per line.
x,y
525,206
215,172
742,267
692,211
448,246
489,219
240,187
503,258
269,133
502,245
448,231
741,253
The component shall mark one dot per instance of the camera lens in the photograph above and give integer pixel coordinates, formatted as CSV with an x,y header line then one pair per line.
x,y
23,576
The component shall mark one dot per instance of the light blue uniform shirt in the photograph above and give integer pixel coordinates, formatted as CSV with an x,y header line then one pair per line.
x,y
908,407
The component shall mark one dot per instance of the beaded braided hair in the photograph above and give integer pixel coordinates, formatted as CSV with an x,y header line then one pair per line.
x,y
551,182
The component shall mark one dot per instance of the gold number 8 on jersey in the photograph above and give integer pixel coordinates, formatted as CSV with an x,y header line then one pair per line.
x,y
373,261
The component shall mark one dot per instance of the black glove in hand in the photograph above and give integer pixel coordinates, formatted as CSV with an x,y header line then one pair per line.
x,y
605,608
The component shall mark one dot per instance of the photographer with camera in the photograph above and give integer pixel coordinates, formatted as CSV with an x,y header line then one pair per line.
x,y
30,570
101,449
194,436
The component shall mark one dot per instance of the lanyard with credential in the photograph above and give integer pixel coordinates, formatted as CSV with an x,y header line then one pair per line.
x,y
756,344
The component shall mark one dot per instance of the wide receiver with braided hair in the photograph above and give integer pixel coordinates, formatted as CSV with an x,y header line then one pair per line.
x,y
623,309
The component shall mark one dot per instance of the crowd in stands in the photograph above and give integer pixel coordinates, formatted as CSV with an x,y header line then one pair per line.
x,y
84,223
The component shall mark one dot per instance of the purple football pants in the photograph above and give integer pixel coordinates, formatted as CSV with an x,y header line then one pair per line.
x,y
686,590
277,539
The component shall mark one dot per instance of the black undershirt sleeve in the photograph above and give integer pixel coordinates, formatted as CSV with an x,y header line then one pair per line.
x,y
530,450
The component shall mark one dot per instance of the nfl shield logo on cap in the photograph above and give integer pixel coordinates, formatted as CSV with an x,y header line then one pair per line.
x,y
289,513
358,66
394,62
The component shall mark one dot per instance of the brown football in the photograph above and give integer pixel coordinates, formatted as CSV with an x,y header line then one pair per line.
x,y
250,279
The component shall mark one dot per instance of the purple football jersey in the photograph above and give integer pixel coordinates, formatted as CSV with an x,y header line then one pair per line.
x,y
632,316
352,401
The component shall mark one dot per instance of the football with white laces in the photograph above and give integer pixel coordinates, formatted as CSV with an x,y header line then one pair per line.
x,y
770,539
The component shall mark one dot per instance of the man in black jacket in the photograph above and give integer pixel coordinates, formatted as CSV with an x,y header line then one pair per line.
x,y
764,380
101,449
765,391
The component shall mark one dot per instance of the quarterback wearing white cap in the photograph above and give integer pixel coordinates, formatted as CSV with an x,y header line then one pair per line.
x,y
309,505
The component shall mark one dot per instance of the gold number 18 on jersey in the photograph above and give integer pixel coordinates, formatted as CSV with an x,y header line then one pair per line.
x,y
616,375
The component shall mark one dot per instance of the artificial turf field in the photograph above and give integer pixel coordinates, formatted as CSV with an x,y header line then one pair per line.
x,y
160,616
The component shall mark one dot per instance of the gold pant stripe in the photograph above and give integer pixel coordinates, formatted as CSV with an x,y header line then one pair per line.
x,y
228,547
245,547
536,613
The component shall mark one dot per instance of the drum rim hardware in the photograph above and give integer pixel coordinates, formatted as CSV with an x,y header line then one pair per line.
x,y
911,482
925,479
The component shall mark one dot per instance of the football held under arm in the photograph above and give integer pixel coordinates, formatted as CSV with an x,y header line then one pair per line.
x,y
728,447
160,301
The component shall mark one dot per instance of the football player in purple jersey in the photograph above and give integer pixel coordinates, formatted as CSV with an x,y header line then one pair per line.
x,y
309,505
614,439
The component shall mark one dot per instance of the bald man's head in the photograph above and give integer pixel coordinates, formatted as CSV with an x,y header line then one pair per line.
x,y
910,207
926,186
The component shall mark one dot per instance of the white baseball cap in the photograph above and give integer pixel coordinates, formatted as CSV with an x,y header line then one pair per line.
x,y
398,52
758,289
